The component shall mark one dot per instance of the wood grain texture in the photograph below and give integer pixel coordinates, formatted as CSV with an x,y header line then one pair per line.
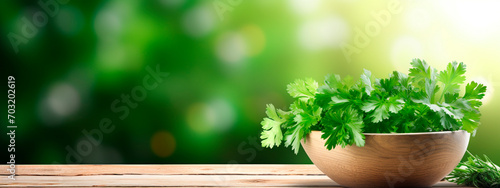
x,y
171,176
390,160
85,170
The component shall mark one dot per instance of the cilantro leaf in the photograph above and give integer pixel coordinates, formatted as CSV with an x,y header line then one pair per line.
x,y
431,88
419,72
424,78
449,116
366,80
306,116
402,80
473,93
342,128
305,113
382,107
474,90
387,86
333,81
303,89
471,121
293,137
452,77
272,135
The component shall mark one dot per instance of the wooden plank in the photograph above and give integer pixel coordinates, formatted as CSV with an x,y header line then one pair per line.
x,y
171,176
179,181
85,170
172,180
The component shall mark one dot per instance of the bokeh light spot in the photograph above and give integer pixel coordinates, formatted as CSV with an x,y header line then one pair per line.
x,y
326,32
199,21
254,38
231,48
304,6
417,19
224,114
109,23
64,100
61,102
472,19
163,144
122,36
216,115
403,51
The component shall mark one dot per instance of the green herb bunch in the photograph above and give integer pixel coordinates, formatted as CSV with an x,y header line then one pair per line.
x,y
425,100
476,172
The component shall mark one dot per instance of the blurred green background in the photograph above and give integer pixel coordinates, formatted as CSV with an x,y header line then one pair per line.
x,y
226,59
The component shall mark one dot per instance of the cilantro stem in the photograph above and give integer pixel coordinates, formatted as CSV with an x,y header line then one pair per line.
x,y
442,93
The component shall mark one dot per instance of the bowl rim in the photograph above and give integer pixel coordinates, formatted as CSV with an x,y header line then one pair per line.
x,y
402,134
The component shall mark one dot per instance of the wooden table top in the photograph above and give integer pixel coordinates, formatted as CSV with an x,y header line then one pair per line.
x,y
170,176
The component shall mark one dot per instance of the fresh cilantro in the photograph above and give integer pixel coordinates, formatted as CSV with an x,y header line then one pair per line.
x,y
452,77
366,79
307,115
382,107
343,128
303,89
474,90
272,135
344,109
423,77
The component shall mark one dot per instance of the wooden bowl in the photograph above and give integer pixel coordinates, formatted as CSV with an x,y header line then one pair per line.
x,y
390,159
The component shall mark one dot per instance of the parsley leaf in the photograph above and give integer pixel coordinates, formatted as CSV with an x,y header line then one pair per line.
x,y
271,135
424,78
303,89
305,113
420,71
306,116
342,128
474,90
366,79
452,77
473,93
382,107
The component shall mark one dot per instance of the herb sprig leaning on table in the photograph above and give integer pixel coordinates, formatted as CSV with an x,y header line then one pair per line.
x,y
476,172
